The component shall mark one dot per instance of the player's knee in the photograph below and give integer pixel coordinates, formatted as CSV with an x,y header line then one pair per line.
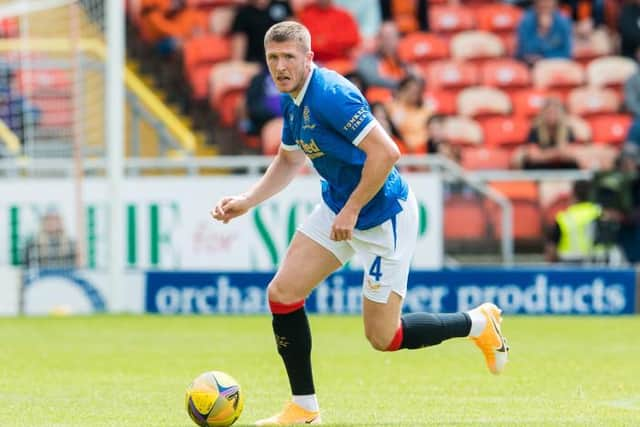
x,y
278,292
379,340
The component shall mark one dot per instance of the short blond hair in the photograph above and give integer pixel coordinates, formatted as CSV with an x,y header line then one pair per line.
x,y
289,31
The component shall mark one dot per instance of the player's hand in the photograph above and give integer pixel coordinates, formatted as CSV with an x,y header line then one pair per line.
x,y
343,225
230,207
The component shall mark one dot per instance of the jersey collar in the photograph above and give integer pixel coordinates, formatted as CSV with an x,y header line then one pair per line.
x,y
298,99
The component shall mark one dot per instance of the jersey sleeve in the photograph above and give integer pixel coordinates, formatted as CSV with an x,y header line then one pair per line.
x,y
288,142
348,114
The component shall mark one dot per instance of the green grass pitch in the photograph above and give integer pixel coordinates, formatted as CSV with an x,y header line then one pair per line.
x,y
132,371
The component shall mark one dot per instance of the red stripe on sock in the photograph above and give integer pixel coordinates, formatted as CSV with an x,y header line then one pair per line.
x,y
280,308
396,342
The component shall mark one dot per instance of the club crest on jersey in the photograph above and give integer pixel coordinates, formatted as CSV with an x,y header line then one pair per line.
x,y
306,118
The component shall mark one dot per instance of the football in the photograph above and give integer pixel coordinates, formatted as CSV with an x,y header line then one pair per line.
x,y
214,399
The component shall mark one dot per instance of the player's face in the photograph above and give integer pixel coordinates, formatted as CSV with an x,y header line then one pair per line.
x,y
289,65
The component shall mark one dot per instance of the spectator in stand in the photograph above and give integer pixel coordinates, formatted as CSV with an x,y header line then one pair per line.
x,y
51,247
549,142
589,13
384,68
167,23
381,114
409,114
16,112
409,15
632,102
572,237
629,28
366,13
358,81
262,103
543,32
251,24
334,32
438,142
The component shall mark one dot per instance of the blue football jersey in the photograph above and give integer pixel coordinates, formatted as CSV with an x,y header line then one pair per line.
x,y
327,120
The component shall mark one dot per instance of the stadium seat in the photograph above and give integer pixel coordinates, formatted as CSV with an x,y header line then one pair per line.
x,y
461,130
228,82
610,128
498,18
505,74
559,74
610,71
378,94
476,46
597,44
341,66
580,128
451,75
483,101
479,158
593,100
527,215
528,102
271,136
505,132
199,54
465,218
44,82
450,19
440,101
421,47
596,156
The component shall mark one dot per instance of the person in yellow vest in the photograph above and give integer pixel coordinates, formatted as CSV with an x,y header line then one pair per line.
x,y
573,236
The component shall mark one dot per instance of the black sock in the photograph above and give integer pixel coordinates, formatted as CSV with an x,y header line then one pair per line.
x,y
293,338
425,329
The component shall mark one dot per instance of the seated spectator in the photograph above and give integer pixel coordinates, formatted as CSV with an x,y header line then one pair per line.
x,y
334,32
632,103
381,114
384,68
250,25
16,112
629,28
51,247
572,237
358,81
262,103
543,32
408,15
586,13
409,114
549,140
438,142
366,13
167,23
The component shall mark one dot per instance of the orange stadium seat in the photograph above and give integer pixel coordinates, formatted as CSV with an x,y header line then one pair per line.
x,y
271,136
593,100
44,82
420,47
464,218
476,46
580,128
450,19
498,18
506,74
440,101
597,44
461,130
483,101
341,66
55,112
478,158
378,94
528,102
451,75
199,54
610,128
560,74
506,132
610,71
527,215
228,82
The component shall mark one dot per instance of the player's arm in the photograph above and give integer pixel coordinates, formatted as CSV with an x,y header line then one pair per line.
x,y
382,155
279,174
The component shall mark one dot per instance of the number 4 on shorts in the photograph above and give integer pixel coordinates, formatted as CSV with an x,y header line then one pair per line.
x,y
374,271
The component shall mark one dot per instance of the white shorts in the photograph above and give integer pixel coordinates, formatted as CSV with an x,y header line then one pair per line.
x,y
385,250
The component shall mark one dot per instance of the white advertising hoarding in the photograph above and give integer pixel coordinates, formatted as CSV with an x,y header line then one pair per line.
x,y
168,224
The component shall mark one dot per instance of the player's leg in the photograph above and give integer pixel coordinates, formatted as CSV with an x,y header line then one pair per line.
x,y
384,287
311,257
